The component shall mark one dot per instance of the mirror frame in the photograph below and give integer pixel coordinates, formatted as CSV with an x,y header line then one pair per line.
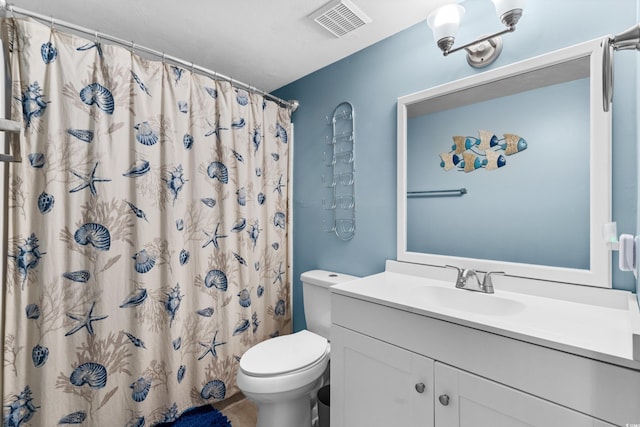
x,y
584,60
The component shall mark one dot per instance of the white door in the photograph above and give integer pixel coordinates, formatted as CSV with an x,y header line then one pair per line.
x,y
377,384
466,400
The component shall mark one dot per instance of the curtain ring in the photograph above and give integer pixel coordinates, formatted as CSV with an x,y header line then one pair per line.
x,y
13,15
52,22
191,67
95,34
163,57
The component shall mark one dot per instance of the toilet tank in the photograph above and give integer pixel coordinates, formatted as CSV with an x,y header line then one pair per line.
x,y
316,297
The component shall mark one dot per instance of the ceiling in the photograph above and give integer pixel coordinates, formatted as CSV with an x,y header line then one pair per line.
x,y
264,43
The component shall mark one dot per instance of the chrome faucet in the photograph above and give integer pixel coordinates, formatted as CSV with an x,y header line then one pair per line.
x,y
467,274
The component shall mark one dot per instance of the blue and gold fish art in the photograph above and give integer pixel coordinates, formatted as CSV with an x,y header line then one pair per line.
x,y
469,153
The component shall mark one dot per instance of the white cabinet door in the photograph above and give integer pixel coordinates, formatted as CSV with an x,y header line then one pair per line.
x,y
377,384
466,400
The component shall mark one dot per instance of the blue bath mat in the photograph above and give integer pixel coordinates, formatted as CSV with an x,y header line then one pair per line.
x,y
203,416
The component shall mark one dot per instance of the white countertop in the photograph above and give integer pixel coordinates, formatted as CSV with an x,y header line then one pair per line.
x,y
600,329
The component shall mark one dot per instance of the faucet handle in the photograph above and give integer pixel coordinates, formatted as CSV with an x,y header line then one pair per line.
x,y
487,283
460,281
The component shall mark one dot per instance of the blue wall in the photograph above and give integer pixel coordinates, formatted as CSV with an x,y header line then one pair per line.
x,y
407,62
510,204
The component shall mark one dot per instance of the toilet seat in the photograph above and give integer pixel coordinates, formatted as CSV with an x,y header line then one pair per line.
x,y
284,364
270,386
285,354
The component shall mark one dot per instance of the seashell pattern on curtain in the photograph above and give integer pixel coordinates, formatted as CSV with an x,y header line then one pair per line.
x,y
147,245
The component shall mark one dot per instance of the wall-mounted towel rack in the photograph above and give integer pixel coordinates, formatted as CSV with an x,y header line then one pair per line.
x,y
340,175
438,193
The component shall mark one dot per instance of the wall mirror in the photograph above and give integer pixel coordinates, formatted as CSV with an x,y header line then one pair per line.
x,y
529,188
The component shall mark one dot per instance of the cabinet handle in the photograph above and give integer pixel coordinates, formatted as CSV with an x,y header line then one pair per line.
x,y
420,387
444,399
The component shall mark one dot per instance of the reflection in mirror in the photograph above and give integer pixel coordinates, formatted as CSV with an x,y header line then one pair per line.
x,y
530,145
532,197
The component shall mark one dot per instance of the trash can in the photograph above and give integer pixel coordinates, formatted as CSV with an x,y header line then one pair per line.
x,y
324,400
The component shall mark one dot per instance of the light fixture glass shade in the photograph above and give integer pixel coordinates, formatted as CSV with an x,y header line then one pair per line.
x,y
504,6
445,21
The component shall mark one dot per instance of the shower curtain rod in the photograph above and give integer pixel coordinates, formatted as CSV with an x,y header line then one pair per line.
x,y
292,105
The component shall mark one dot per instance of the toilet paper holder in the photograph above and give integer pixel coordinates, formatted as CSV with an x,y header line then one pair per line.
x,y
627,257
627,245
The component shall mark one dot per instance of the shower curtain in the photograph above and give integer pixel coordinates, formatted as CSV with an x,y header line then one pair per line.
x,y
147,235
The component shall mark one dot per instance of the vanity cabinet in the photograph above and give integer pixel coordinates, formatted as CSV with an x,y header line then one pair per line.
x,y
385,385
382,354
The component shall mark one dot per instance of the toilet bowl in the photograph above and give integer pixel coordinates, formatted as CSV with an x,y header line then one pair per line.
x,y
282,375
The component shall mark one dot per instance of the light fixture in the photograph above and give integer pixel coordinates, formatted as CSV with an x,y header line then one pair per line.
x,y
445,21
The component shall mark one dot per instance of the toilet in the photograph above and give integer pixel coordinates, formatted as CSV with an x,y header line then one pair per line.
x,y
282,375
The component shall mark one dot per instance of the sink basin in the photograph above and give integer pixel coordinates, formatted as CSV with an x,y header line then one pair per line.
x,y
469,301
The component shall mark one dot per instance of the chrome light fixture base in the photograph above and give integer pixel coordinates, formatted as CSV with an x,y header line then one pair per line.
x,y
484,53
511,18
445,44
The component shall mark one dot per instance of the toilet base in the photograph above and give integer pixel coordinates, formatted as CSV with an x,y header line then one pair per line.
x,y
289,409
293,413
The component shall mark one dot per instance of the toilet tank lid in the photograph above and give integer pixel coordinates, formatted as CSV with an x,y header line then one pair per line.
x,y
325,278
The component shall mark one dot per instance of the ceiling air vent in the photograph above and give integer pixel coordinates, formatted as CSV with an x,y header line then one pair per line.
x,y
340,17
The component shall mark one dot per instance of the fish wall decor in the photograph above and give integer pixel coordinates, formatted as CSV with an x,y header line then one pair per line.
x,y
469,153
